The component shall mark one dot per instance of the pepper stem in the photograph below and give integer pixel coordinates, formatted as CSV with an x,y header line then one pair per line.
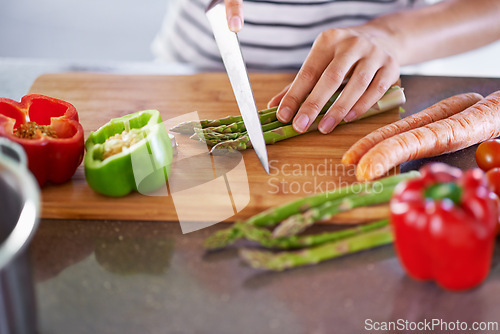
x,y
444,190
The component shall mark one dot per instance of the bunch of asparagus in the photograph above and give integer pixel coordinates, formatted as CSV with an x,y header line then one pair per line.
x,y
290,219
230,133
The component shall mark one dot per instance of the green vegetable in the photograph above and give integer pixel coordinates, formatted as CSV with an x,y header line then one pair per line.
x,y
129,153
234,124
189,126
281,131
266,238
292,218
275,215
266,116
262,259
300,221
213,138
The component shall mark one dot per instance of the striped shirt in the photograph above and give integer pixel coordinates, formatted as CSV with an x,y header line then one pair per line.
x,y
277,34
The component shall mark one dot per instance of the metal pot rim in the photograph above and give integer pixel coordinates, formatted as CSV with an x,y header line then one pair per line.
x,y
28,220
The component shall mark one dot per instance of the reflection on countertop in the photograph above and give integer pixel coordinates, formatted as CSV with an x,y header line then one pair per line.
x,y
121,248
147,277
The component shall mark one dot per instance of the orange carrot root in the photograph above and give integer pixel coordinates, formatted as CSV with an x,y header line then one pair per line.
x,y
475,124
442,109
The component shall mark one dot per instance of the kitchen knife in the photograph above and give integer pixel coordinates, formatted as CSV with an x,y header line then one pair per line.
x,y
230,51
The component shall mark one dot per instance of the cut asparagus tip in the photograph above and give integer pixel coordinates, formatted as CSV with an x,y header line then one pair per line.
x,y
392,99
221,239
186,128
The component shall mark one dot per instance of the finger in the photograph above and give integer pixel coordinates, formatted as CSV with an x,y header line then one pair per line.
x,y
234,14
382,81
361,78
315,63
329,82
298,91
275,100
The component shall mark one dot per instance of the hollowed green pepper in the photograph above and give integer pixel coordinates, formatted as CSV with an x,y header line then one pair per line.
x,y
129,153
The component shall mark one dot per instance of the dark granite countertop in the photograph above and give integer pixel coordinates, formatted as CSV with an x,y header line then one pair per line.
x,y
147,277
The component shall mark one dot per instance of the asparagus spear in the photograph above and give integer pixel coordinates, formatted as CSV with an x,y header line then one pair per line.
x,y
269,260
213,138
265,237
189,126
234,119
275,215
300,221
272,126
272,136
265,118
268,120
394,97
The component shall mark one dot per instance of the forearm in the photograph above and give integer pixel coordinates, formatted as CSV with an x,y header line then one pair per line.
x,y
441,30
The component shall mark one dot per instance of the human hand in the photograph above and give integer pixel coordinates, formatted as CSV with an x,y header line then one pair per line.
x,y
234,14
366,59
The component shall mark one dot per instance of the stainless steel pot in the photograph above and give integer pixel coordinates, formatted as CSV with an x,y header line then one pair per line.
x,y
19,210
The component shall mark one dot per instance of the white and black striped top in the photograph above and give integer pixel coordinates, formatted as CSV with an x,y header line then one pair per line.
x,y
277,34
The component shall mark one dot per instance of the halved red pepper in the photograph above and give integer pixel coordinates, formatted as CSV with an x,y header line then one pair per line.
x,y
53,155
445,224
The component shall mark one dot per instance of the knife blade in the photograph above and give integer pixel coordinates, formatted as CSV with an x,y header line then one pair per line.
x,y
229,48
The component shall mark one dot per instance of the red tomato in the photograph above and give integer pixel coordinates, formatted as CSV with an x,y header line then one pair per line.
x,y
488,154
493,178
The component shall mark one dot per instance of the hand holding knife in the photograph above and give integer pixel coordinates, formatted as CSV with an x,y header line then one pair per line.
x,y
228,44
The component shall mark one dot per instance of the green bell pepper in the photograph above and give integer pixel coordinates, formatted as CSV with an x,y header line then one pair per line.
x,y
129,153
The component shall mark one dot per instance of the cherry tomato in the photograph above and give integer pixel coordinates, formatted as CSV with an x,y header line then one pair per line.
x,y
488,154
493,178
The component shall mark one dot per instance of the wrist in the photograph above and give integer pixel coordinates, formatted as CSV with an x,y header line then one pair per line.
x,y
386,36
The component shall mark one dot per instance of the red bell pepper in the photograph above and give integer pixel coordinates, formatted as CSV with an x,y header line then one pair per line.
x,y
50,133
444,225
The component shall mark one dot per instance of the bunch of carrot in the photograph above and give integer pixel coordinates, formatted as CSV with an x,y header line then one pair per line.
x,y
452,124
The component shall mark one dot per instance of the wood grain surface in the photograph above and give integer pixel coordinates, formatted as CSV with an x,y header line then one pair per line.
x,y
300,166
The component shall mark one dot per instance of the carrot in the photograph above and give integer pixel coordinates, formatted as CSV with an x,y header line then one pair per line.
x,y
442,109
475,124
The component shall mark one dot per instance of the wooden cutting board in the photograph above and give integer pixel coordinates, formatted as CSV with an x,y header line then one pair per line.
x,y
300,166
